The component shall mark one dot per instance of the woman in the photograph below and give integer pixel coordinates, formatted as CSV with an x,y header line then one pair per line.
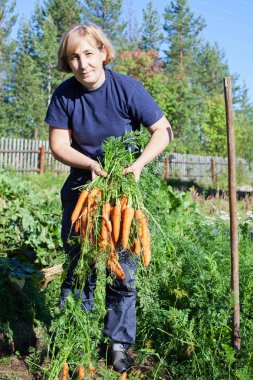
x,y
93,104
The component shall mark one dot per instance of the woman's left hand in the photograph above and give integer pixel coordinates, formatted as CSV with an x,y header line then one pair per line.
x,y
136,169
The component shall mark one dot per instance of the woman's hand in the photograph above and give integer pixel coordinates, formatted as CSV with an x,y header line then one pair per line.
x,y
136,169
97,171
161,135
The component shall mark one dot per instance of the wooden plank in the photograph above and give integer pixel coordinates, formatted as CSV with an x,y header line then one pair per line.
x,y
26,157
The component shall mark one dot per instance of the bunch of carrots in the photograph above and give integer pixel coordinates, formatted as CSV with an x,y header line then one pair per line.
x,y
110,217
81,372
121,226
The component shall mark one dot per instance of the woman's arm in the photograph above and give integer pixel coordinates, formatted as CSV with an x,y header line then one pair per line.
x,y
161,135
60,145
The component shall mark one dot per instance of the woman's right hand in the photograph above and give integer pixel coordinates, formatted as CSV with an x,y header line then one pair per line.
x,y
97,171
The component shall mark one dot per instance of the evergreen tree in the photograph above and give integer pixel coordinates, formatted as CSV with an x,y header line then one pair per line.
x,y
151,34
212,68
27,106
107,15
213,126
183,36
183,32
48,27
244,127
64,14
46,46
7,47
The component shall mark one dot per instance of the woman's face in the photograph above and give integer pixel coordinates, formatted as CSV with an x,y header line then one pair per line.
x,y
86,63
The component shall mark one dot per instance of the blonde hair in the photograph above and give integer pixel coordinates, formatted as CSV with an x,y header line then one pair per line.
x,y
71,39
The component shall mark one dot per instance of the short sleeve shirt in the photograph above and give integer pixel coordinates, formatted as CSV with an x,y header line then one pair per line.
x,y
119,105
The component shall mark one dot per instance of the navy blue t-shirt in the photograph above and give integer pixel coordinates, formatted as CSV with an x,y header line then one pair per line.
x,y
119,105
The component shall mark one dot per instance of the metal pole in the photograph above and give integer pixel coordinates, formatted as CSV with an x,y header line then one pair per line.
x,y
236,340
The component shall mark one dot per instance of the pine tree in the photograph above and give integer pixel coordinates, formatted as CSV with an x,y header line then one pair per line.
x,y
183,35
212,68
151,26
64,14
107,15
27,105
46,47
48,28
7,47
244,126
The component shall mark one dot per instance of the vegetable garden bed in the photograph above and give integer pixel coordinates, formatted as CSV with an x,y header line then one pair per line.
x,y
184,302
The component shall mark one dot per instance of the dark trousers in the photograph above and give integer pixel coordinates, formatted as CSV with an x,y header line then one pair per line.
x,y
120,320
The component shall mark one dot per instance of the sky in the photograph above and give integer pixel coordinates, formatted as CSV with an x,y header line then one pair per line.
x,y
228,22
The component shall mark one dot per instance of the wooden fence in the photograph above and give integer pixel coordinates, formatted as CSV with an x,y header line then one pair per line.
x,y
206,169
28,156
35,156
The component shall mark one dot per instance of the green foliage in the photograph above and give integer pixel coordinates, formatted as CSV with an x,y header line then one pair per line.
x,y
7,46
30,225
214,133
183,36
63,14
107,15
147,67
151,29
184,302
243,120
212,68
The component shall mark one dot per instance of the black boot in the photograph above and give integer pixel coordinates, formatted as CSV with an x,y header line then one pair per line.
x,y
119,357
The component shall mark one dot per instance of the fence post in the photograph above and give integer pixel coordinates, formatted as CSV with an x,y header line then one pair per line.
x,y
213,170
41,159
167,168
236,339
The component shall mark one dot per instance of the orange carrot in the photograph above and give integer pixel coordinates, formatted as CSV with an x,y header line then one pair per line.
x,y
81,373
126,227
146,253
92,370
144,236
84,220
90,227
111,212
108,224
112,254
94,197
123,202
93,200
105,217
123,376
65,371
103,244
106,210
116,268
81,200
104,232
116,219
77,226
136,247
139,216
